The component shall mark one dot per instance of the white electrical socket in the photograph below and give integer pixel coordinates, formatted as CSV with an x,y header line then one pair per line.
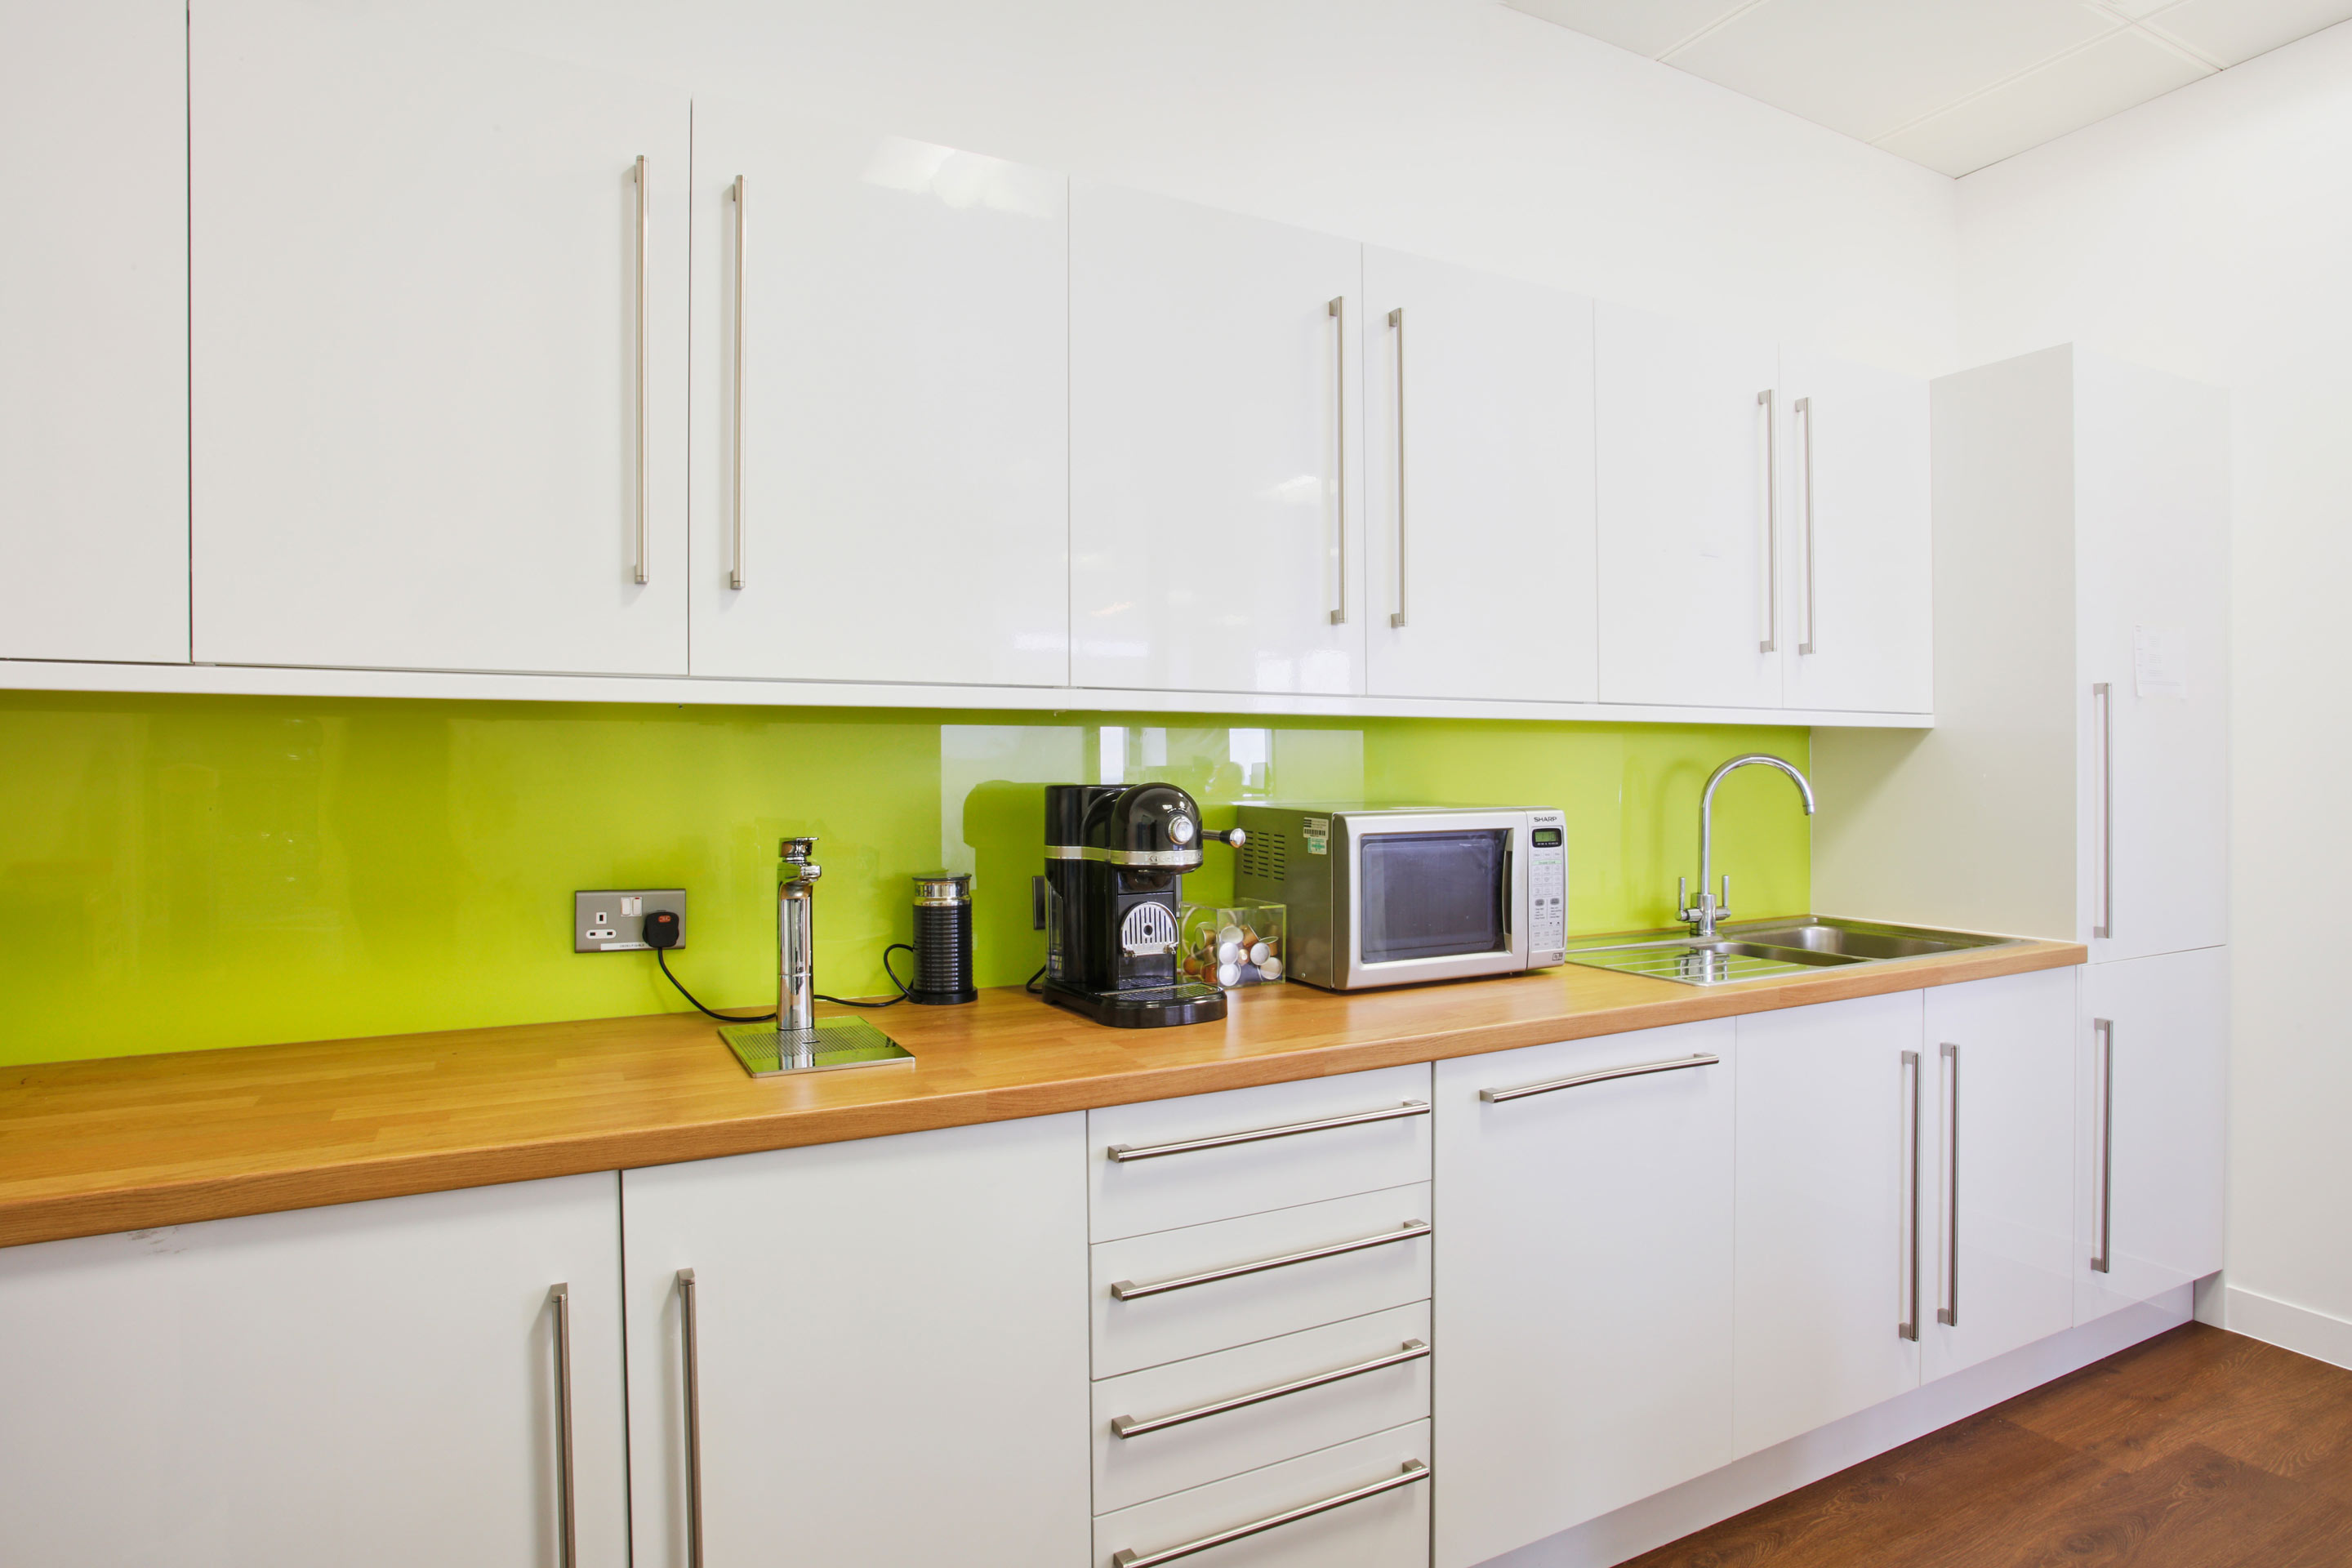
x,y
614,920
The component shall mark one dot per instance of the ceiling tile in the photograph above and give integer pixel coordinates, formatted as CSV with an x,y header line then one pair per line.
x,y
1645,26
2103,79
2235,31
1866,67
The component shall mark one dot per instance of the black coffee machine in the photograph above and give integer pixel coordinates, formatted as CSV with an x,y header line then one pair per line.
x,y
1115,856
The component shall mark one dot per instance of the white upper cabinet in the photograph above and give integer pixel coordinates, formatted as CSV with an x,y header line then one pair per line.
x,y
1857,566
94,317
439,350
1215,451
1685,419
1478,484
881,483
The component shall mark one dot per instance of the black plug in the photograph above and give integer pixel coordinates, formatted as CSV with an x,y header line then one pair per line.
x,y
661,929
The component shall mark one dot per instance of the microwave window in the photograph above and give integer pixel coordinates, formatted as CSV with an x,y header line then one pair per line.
x,y
1432,895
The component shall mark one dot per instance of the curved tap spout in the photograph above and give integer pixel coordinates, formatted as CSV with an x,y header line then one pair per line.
x,y
1704,914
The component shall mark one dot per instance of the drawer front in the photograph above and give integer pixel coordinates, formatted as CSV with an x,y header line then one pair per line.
x,y
1148,1330
1295,1161
1154,1461
1387,1530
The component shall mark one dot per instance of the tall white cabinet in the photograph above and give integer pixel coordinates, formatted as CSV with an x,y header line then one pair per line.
x,y
94,317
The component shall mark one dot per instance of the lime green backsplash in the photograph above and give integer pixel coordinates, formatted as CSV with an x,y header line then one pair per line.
x,y
187,872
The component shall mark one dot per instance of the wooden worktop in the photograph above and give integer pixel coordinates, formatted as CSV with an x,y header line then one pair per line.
x,y
92,1147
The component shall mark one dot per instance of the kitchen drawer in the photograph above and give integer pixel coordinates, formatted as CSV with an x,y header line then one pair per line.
x,y
1290,1159
1297,1292
1388,1529
1152,1463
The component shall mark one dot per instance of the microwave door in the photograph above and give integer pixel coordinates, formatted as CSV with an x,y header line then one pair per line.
x,y
1435,902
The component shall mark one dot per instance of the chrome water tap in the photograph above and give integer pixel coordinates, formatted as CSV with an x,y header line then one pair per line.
x,y
1704,914
796,938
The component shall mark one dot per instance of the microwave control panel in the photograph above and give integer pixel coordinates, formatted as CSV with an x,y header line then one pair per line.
x,y
1547,888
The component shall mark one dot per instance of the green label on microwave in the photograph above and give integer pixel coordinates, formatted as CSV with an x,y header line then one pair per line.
x,y
1318,830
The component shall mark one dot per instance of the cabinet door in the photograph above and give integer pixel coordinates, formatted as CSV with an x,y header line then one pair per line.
x,y
94,315
2153,577
896,376
1215,451
1584,1247
430,314
374,1384
1684,420
2154,1048
890,1350
1478,484
1831,1284
1857,574
2002,1153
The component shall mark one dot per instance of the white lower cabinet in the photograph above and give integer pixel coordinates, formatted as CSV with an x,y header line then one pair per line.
x,y
374,1384
1584,1250
1363,1504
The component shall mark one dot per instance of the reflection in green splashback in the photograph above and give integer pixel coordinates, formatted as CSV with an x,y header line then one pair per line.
x,y
187,872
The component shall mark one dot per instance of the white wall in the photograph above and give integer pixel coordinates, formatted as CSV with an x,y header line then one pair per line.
x,y
2210,233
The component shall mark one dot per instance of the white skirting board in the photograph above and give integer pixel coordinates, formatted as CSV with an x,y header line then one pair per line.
x,y
1800,1461
2319,1335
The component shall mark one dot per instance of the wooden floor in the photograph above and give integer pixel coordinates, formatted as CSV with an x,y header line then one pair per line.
x,y
2197,1449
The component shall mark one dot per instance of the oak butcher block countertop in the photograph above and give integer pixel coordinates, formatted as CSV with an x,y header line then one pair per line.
x,y
91,1147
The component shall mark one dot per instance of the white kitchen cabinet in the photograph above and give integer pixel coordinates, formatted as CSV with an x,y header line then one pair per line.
x,y
890,1352
373,1384
1216,450
1856,578
881,407
1363,1504
2154,1075
1585,1261
1831,1284
1686,421
1477,397
94,315
438,350
2000,1153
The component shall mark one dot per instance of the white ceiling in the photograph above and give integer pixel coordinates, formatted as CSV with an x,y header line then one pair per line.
x,y
1953,84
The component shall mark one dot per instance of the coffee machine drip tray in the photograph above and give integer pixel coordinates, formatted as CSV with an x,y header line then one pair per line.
x,y
1142,1006
833,1043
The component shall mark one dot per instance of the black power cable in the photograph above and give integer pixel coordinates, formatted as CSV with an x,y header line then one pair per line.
x,y
661,956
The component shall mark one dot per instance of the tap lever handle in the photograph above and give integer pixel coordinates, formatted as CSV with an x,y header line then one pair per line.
x,y
1723,906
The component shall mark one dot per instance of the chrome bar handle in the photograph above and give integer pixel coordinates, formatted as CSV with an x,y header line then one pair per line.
x,y
645,230
693,1420
2104,1030
2103,697
742,227
1498,1096
1126,1557
567,1530
1128,1290
1803,409
1772,572
1125,1153
1129,1427
1909,1327
1337,311
1949,1311
1396,320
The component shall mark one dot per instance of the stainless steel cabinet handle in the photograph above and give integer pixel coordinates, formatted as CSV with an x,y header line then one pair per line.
x,y
1803,409
566,1525
1129,1427
2104,1030
1772,562
1125,1153
2103,697
645,230
1498,1096
1414,1470
1909,1327
1396,320
693,1420
1337,311
743,233
1128,1290
1948,1313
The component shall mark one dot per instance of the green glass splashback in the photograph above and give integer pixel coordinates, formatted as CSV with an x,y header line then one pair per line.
x,y
189,872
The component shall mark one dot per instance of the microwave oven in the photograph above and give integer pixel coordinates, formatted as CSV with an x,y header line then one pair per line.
x,y
1397,895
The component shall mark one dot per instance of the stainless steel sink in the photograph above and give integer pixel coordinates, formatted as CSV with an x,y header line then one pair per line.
x,y
1757,949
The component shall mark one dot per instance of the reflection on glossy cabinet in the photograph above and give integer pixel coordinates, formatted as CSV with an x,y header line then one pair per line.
x,y
439,350
1477,394
1216,450
374,1384
881,411
888,1352
94,315
1830,1255
1584,1256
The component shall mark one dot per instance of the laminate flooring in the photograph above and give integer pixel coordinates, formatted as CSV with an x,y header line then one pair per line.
x,y
2195,1449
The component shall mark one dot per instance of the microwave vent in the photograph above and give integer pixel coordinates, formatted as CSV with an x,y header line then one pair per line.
x,y
1263,857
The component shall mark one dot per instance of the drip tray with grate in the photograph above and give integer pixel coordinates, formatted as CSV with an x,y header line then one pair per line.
x,y
833,1043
